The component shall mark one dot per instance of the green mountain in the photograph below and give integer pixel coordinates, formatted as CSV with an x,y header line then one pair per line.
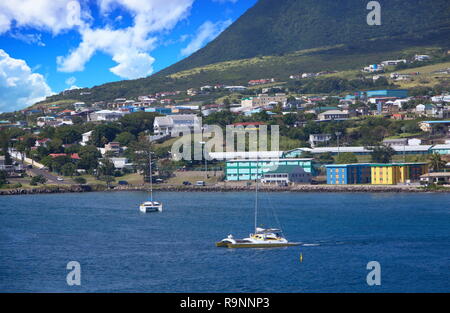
x,y
274,27
276,38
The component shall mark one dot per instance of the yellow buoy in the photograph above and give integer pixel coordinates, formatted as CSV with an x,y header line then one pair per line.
x,y
301,257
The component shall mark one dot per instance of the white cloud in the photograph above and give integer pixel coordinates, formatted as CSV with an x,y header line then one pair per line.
x,y
205,33
19,86
130,46
49,15
29,38
73,87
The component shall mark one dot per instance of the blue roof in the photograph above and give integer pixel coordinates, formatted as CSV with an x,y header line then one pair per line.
x,y
346,165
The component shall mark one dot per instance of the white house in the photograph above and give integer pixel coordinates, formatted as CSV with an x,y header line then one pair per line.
x,y
106,115
422,57
393,62
315,139
85,138
333,115
174,124
121,163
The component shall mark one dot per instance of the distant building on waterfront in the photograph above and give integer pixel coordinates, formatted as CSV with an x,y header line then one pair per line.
x,y
393,174
251,169
285,174
375,173
348,174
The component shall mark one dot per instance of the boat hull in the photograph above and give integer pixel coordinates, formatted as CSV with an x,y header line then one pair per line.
x,y
147,209
256,245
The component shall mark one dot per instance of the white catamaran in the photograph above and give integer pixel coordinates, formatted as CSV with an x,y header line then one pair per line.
x,y
261,238
151,205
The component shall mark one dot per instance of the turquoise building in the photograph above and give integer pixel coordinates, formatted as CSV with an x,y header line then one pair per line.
x,y
441,149
251,169
397,93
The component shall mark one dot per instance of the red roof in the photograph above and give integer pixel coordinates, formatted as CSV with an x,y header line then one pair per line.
x,y
74,156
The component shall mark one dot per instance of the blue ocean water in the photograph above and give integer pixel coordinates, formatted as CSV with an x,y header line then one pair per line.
x,y
120,249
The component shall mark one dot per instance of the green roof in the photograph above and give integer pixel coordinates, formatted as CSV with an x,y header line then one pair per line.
x,y
284,169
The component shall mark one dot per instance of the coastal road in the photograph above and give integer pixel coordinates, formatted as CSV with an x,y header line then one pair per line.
x,y
52,179
34,171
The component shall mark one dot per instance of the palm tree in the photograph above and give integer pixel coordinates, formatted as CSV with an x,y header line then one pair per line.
x,y
435,162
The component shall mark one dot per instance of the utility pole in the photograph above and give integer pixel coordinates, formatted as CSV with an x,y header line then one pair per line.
x,y
203,143
337,135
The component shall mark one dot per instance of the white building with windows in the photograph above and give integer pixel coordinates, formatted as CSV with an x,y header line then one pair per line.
x,y
174,124
106,116
316,139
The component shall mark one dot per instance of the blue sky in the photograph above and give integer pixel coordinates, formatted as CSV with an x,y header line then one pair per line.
x,y
47,46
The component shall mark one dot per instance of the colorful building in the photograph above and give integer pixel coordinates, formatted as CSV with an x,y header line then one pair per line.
x,y
250,169
393,174
375,174
345,174
395,93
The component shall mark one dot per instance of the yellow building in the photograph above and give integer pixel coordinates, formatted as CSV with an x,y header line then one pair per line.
x,y
397,173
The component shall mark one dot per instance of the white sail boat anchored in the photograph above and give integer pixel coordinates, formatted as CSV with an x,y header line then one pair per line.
x,y
262,237
151,205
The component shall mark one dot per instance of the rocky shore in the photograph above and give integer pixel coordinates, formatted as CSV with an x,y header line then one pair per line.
x,y
295,188
221,188
46,189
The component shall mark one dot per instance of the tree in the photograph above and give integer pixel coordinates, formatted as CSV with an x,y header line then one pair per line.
x,y
125,138
226,103
138,122
4,146
80,180
39,179
88,158
106,168
166,168
436,163
58,163
68,134
107,179
139,154
3,177
382,154
68,169
326,158
104,133
55,146
346,158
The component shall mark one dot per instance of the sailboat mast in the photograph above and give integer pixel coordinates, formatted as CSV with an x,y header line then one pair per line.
x,y
256,193
151,177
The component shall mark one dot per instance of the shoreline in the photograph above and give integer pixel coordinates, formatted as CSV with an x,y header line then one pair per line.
x,y
296,188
